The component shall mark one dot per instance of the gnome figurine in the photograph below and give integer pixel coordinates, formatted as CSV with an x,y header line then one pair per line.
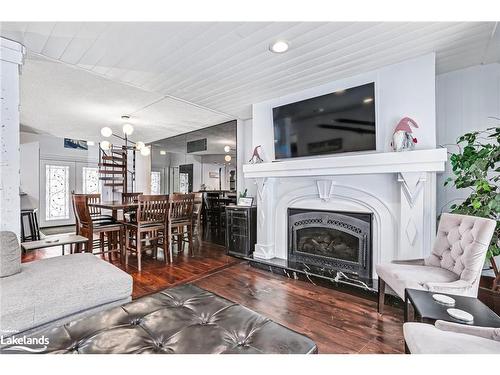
x,y
402,139
256,159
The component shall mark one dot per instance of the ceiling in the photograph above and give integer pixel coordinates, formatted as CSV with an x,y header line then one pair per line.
x,y
174,77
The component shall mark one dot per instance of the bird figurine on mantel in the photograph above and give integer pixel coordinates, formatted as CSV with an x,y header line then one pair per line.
x,y
402,138
256,159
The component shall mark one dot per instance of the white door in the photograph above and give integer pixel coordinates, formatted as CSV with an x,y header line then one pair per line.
x,y
57,181
87,179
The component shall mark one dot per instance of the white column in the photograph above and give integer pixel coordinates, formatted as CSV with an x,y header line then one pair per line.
x,y
265,246
11,59
143,173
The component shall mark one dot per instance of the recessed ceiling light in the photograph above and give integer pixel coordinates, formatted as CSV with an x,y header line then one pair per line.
x,y
227,158
163,152
227,148
90,143
367,100
279,46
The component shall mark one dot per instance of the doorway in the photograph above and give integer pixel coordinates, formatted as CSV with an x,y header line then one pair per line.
x,y
58,179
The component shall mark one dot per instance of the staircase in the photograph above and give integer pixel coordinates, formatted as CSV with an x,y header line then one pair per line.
x,y
113,169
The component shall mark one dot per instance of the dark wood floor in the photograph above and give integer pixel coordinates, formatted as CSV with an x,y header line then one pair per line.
x,y
156,275
338,322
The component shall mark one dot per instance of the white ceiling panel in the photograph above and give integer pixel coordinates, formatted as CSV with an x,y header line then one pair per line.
x,y
217,70
67,102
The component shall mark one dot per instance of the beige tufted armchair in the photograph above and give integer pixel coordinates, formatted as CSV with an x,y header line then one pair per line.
x,y
454,266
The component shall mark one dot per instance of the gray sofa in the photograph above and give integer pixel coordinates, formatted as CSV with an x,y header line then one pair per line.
x,y
56,290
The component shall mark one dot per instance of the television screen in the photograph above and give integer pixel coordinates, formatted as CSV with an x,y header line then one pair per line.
x,y
343,121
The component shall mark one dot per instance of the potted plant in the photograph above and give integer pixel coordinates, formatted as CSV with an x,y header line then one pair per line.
x,y
475,168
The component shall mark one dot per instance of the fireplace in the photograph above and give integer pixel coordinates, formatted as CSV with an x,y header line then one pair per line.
x,y
331,240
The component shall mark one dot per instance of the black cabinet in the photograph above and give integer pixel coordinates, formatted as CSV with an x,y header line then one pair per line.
x,y
241,230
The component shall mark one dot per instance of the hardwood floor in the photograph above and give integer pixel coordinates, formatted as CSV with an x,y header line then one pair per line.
x,y
155,274
338,322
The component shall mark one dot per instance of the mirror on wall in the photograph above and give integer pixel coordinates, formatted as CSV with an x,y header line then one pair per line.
x,y
202,160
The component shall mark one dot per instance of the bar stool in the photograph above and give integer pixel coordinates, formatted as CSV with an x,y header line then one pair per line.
x,y
33,224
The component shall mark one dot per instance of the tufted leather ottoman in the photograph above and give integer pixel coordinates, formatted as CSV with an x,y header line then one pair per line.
x,y
184,319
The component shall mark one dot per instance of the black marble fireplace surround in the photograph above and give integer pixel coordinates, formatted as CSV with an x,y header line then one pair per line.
x,y
325,242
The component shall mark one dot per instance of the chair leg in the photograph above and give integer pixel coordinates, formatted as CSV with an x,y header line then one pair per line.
x,y
101,241
169,239
37,227
90,244
180,243
127,238
166,254
139,243
381,295
199,234
23,235
119,249
190,240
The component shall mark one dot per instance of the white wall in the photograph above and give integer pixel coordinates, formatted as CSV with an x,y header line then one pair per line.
x,y
52,148
404,89
36,147
465,100
11,55
244,151
30,174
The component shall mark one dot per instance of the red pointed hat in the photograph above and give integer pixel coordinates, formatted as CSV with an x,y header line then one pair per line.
x,y
405,125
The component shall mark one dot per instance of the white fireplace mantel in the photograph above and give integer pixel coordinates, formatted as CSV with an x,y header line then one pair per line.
x,y
398,188
382,162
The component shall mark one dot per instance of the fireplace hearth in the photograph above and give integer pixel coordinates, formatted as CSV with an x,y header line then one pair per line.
x,y
330,241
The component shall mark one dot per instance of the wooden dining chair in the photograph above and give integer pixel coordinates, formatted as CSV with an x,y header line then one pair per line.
x,y
88,228
149,226
180,222
129,213
99,243
96,212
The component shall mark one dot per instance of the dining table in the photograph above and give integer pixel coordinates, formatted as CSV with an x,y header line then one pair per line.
x,y
114,206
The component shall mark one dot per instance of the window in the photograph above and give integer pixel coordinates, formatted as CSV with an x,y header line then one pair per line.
x,y
184,183
57,192
155,182
90,180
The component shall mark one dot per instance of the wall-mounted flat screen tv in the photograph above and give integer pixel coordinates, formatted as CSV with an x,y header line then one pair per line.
x,y
343,121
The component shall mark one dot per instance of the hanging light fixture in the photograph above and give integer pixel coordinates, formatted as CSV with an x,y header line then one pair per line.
x,y
128,129
106,132
105,145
